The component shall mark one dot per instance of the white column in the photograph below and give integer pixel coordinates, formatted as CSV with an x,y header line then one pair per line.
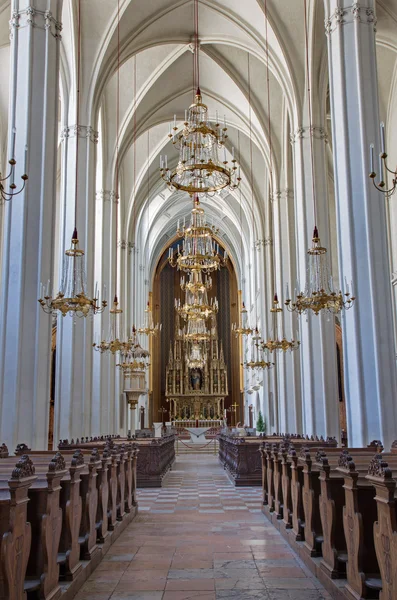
x,y
369,352
320,412
287,365
28,257
73,403
103,364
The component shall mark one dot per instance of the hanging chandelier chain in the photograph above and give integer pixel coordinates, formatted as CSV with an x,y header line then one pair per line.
x,y
310,111
117,148
77,111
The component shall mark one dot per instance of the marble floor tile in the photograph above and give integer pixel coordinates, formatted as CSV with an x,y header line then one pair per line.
x,y
200,538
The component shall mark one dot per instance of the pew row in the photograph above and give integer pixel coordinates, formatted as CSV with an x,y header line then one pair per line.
x,y
336,508
56,516
156,455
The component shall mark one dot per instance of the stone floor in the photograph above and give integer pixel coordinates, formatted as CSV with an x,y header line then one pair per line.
x,y
200,538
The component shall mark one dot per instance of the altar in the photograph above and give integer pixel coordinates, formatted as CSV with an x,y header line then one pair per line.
x,y
186,423
196,394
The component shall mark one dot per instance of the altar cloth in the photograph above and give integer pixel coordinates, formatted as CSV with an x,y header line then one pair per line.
x,y
197,434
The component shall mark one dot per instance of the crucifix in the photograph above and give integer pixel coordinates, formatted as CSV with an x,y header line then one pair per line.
x,y
163,411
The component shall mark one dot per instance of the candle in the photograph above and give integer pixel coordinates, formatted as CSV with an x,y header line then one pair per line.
x,y
381,173
48,288
224,153
14,133
287,292
347,286
233,152
382,138
166,161
185,116
161,161
174,120
371,156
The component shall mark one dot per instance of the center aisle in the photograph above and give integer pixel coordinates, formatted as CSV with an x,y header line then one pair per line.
x,y
200,538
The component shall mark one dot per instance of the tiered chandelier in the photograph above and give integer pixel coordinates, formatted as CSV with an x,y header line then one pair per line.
x,y
199,250
196,305
199,168
383,168
319,294
72,297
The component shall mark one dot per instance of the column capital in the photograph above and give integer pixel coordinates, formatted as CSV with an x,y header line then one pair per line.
x,y
317,132
33,17
82,131
263,243
350,14
106,196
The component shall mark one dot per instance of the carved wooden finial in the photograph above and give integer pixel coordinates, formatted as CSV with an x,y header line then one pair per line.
x,y
57,463
23,468
379,468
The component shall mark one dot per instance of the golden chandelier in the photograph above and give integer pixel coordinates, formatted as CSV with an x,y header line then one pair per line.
x,y
137,359
114,342
150,328
257,361
243,327
199,168
196,305
72,298
199,250
319,293
277,342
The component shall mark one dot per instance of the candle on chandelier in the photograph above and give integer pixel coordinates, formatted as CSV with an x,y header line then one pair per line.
x,y
381,172
371,157
14,133
382,138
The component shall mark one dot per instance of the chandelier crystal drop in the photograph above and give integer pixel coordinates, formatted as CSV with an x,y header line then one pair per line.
x,y
277,341
114,342
319,294
197,331
150,328
257,360
243,328
72,298
383,168
200,169
199,250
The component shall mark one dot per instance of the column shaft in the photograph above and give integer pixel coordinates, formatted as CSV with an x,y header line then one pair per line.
x,y
28,257
369,352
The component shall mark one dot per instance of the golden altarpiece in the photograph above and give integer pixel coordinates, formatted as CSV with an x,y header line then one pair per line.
x,y
196,388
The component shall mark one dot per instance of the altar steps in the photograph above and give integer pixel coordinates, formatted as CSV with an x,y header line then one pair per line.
x,y
186,447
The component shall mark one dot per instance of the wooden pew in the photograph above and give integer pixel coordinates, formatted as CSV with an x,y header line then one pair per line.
x,y
15,531
70,502
383,479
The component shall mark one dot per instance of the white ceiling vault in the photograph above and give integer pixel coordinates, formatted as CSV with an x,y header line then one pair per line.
x,y
157,82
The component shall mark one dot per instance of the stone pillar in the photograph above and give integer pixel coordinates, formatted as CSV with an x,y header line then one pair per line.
x,y
28,258
368,345
320,411
73,403
287,365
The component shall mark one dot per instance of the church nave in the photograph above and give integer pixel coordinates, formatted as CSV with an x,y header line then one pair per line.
x,y
199,537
